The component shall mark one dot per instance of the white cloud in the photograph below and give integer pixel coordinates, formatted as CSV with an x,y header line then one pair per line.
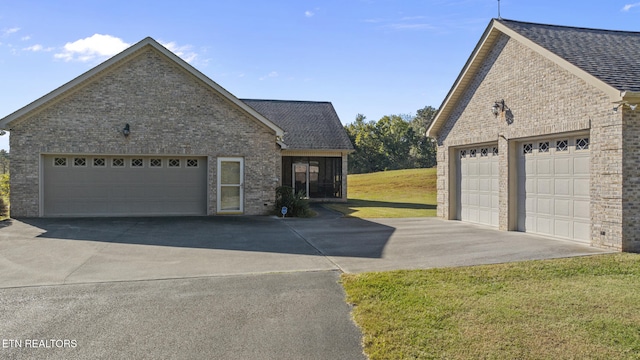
x,y
94,47
273,74
25,38
185,51
410,26
8,32
308,13
37,48
630,6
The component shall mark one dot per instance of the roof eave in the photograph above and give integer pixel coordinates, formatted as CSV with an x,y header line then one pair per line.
x,y
477,56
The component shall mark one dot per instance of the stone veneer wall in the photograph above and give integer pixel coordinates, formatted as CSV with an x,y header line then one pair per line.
x,y
170,113
543,99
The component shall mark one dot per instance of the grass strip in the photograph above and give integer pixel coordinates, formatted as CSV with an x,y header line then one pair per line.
x,y
576,308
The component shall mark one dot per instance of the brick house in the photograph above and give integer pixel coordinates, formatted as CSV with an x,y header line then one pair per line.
x,y
540,133
147,134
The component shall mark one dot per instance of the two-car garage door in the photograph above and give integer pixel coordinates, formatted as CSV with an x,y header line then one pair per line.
x,y
77,185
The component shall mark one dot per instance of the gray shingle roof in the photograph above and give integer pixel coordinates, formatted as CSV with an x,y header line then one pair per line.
x,y
308,125
611,56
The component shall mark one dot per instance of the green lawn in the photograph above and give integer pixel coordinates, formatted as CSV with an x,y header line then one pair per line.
x,y
577,308
398,193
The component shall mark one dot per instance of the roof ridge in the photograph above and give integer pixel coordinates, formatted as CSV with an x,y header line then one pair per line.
x,y
566,26
289,101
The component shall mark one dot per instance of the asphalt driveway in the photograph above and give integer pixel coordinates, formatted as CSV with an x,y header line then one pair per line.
x,y
217,287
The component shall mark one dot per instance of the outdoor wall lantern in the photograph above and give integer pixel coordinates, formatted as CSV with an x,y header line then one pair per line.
x,y
498,107
622,104
126,131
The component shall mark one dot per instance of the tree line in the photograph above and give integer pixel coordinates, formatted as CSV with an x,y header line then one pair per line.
x,y
394,142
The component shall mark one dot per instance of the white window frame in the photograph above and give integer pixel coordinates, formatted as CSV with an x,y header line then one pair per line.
x,y
55,158
219,185
122,165
153,166
141,166
104,162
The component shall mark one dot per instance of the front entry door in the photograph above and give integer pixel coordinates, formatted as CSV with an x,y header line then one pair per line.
x,y
230,185
301,178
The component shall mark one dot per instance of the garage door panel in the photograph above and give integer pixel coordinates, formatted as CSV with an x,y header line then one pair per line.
x,y
543,167
581,166
562,228
543,225
562,207
544,186
485,185
581,230
581,187
543,206
581,210
484,201
531,185
473,184
562,187
472,169
562,166
554,189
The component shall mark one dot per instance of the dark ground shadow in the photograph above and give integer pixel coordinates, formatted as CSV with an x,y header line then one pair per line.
x,y
322,235
352,203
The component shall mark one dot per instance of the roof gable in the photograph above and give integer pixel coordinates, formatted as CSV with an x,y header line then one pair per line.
x,y
611,56
116,60
308,125
599,57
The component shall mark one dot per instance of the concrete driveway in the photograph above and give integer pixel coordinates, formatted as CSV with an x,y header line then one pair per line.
x,y
220,287
67,251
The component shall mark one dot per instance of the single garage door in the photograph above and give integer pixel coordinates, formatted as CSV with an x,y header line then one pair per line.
x,y
78,185
478,185
553,188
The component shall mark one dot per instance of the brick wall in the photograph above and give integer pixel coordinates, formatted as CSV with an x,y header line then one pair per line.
x,y
543,99
631,181
169,111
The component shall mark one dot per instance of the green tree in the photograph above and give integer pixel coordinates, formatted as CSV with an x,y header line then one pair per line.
x,y
393,142
424,150
4,161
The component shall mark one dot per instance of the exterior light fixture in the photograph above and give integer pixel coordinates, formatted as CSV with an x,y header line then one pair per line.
x,y
621,104
126,131
498,108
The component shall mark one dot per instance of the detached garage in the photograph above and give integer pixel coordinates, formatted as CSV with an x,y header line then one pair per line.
x,y
539,133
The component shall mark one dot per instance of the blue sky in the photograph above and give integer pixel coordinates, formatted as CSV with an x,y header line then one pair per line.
x,y
375,57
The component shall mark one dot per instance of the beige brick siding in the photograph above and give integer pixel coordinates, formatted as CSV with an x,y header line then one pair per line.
x,y
543,99
631,183
169,111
